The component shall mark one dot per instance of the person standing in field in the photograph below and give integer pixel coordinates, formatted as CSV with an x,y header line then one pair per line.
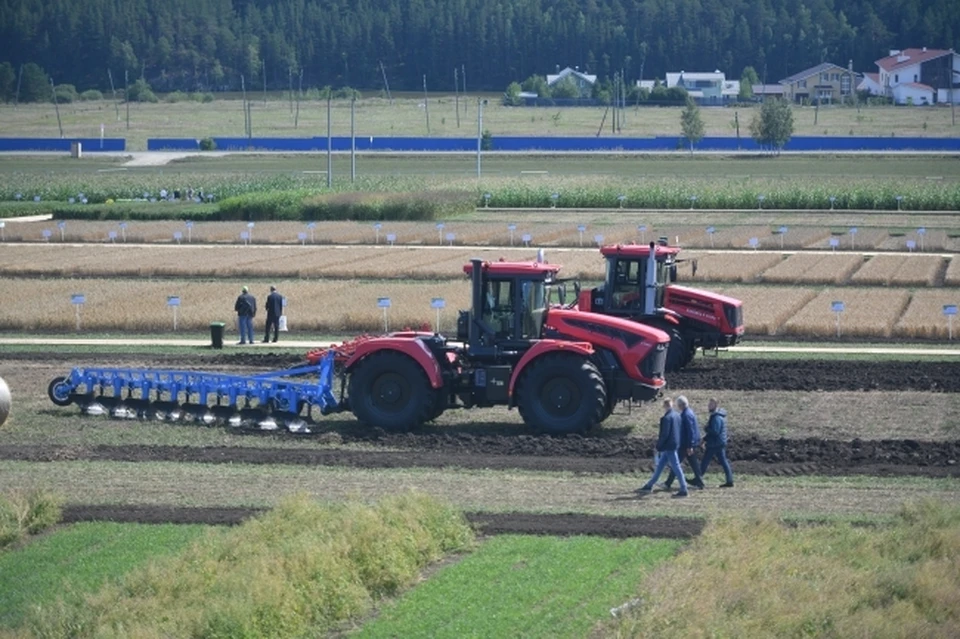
x,y
689,442
246,308
667,444
715,441
274,308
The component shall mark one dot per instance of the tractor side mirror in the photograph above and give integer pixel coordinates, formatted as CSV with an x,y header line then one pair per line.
x,y
562,294
673,273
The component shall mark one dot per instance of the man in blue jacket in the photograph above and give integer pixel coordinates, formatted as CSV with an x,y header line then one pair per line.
x,y
716,441
689,442
667,444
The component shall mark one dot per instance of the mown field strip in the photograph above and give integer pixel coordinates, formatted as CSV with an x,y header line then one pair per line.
x,y
242,485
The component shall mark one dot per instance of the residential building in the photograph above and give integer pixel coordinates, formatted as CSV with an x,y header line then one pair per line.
x,y
825,83
761,91
936,72
584,81
871,84
706,88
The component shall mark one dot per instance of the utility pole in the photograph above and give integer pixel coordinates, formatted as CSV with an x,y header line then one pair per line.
x,y
263,72
56,105
296,118
353,139
463,80
426,103
246,121
456,93
126,94
386,85
16,98
329,145
290,88
479,134
116,104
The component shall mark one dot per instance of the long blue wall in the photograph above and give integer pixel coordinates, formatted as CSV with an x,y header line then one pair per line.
x,y
508,143
89,145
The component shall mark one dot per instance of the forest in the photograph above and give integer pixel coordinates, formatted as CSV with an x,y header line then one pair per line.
x,y
209,45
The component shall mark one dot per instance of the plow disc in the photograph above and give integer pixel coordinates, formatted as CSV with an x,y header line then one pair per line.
x,y
268,401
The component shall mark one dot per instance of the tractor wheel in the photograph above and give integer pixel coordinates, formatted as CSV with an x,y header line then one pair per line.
x,y
59,392
391,391
677,353
561,393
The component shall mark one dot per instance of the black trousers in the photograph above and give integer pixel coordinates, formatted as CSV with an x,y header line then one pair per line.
x,y
694,461
275,323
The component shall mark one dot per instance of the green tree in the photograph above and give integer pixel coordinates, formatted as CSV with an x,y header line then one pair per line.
x,y
537,84
773,125
511,97
565,88
8,81
748,78
691,123
35,86
140,91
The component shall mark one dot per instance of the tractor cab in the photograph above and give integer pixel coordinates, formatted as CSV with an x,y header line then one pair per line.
x,y
636,279
510,301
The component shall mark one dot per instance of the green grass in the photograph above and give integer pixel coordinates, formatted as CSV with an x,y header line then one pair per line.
x,y
515,586
758,578
298,571
77,560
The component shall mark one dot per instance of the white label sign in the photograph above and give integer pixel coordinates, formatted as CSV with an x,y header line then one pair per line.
x,y
173,300
838,307
439,302
950,309
383,302
78,298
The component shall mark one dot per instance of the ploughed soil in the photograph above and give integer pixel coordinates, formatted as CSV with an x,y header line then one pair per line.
x,y
485,523
704,373
750,455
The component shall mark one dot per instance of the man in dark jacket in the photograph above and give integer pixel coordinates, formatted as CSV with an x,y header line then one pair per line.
x,y
716,441
667,444
689,442
246,308
274,307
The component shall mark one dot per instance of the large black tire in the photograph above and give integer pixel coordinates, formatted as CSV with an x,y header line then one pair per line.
x,y
59,392
389,390
561,393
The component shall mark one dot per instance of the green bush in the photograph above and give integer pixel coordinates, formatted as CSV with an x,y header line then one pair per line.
x,y
91,95
427,205
202,97
300,570
66,93
271,205
176,96
207,144
142,211
23,513
140,91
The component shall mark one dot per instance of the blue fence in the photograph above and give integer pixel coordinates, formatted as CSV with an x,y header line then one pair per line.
x,y
511,143
89,145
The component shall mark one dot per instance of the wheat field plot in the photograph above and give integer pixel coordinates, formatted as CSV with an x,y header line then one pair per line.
x,y
767,308
724,267
899,270
868,312
805,268
865,239
924,317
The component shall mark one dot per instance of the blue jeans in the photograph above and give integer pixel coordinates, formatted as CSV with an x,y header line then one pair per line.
x,y
667,457
246,328
721,455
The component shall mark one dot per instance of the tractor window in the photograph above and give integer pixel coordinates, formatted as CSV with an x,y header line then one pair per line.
x,y
498,307
534,302
627,284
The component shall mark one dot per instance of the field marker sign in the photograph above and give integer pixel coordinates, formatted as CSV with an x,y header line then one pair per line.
x,y
838,308
950,310
173,301
438,304
78,300
384,303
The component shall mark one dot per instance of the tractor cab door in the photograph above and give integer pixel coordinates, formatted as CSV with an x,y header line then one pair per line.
x,y
498,310
515,309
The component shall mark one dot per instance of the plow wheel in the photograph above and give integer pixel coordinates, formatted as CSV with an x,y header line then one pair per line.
x,y
59,391
390,390
562,394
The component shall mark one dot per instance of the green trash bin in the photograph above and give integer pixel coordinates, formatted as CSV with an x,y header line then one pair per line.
x,y
216,334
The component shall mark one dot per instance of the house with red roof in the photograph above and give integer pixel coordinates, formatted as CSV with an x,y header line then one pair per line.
x,y
920,76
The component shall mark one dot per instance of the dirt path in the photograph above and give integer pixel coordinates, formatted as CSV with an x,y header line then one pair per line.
x,y
485,523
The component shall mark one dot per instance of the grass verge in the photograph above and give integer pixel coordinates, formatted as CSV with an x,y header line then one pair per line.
x,y
78,560
523,587
757,578
299,570
26,513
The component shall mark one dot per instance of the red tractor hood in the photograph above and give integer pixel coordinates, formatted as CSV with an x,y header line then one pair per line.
x,y
701,294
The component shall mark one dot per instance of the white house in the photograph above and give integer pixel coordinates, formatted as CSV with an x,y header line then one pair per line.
x,y
913,93
584,81
871,84
936,71
706,87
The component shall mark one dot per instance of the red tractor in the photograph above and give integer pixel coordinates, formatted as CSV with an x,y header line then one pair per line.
x,y
639,286
563,368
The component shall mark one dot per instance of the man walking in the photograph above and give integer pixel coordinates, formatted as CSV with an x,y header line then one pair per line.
x,y
246,308
716,441
667,444
274,307
689,442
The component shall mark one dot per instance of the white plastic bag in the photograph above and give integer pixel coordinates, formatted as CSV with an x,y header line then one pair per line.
x,y
282,324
